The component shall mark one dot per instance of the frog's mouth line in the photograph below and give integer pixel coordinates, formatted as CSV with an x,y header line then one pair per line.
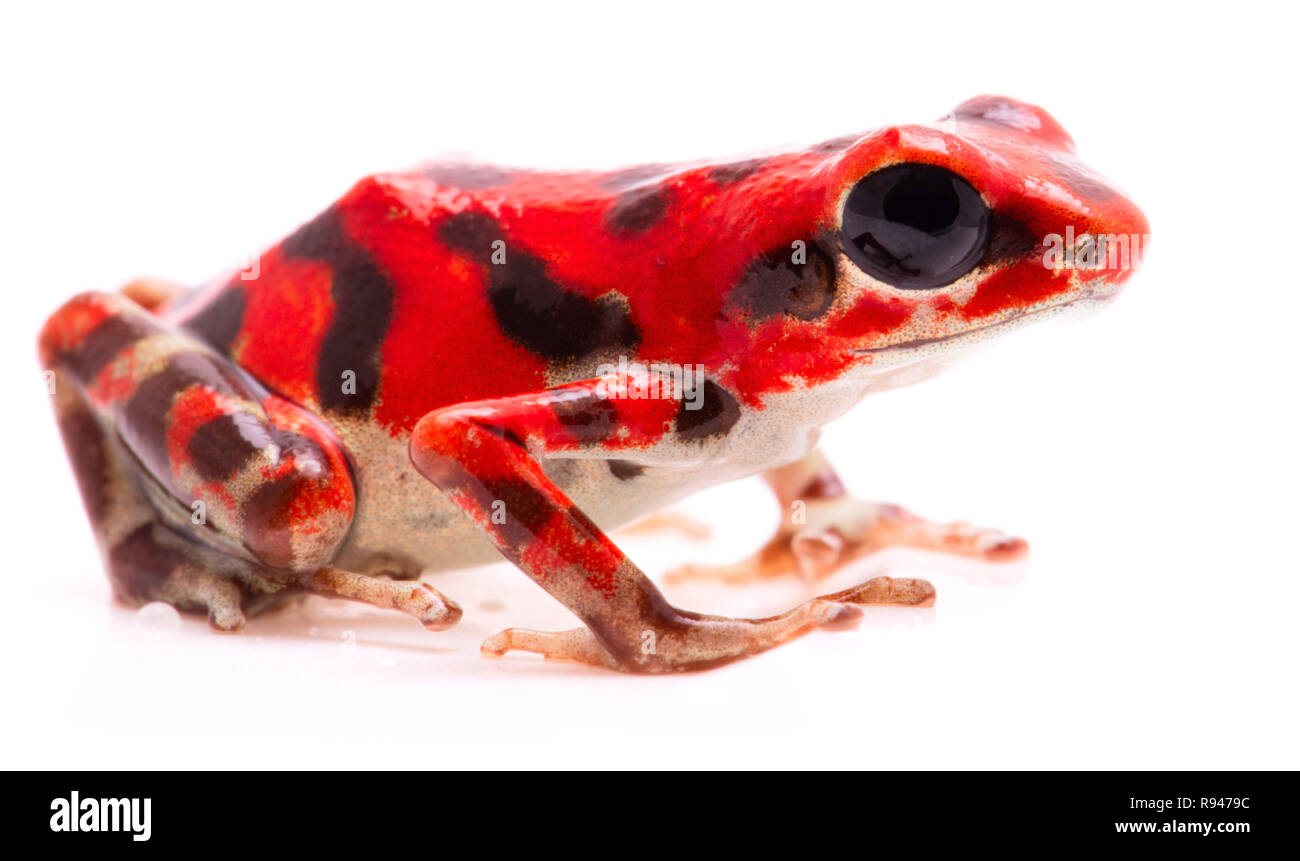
x,y
1087,296
925,342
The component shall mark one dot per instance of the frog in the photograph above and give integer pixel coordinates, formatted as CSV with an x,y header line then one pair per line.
x,y
461,362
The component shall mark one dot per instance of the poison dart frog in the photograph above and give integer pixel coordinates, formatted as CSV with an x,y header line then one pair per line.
x,y
464,360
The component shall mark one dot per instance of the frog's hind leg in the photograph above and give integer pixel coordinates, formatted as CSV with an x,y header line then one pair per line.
x,y
823,529
204,489
192,474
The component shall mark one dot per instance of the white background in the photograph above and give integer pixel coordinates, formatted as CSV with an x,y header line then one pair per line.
x,y
1148,453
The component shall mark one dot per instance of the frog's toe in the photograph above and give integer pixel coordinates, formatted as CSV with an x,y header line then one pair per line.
x,y
435,611
151,293
745,571
844,617
226,621
430,607
1006,548
670,522
817,552
189,587
577,645
900,591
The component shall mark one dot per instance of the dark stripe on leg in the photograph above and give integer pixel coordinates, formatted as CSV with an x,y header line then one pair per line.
x,y
145,417
219,448
104,343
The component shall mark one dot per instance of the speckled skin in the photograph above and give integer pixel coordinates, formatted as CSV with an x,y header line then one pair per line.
x,y
428,375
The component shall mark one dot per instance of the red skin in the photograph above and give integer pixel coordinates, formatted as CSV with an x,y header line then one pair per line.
x,y
675,275
394,285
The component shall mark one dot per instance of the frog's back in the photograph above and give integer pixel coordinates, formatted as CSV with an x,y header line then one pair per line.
x,y
365,312
459,282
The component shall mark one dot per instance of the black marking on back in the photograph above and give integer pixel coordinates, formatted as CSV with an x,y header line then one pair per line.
x,y
775,284
531,308
218,323
638,209
717,413
471,232
624,470
469,176
730,174
363,309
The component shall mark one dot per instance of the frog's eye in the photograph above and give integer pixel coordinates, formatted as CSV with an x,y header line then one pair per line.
x,y
915,226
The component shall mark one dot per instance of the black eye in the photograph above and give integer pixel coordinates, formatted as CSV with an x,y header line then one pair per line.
x,y
915,226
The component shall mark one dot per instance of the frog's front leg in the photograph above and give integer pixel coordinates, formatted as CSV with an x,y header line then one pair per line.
x,y
484,456
823,528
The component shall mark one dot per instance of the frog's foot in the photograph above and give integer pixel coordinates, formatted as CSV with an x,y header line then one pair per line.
x,y
578,645
670,521
151,293
823,529
433,609
838,532
192,588
675,640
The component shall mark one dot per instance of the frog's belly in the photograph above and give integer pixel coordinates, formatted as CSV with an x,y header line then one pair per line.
x,y
404,524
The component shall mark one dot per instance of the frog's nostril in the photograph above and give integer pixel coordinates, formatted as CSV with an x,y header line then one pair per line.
x,y
1127,238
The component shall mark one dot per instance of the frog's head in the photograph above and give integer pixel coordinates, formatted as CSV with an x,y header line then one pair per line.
x,y
943,234
953,232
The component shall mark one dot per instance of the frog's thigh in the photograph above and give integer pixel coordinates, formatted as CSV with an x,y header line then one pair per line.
x,y
823,529
225,462
482,455
250,492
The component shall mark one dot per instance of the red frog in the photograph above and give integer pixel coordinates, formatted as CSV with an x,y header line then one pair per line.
x,y
464,360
